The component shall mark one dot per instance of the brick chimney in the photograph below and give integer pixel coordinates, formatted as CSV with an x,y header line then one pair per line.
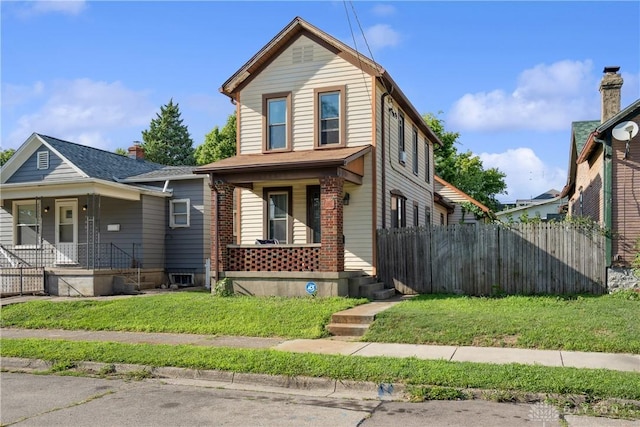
x,y
610,93
136,151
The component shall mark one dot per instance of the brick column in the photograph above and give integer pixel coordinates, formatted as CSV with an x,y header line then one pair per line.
x,y
332,250
222,222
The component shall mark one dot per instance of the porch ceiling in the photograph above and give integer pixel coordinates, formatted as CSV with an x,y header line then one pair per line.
x,y
247,168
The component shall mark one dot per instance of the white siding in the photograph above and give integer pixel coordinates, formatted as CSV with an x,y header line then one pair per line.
x,y
400,177
282,75
358,222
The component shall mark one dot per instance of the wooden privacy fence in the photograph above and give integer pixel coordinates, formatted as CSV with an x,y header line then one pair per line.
x,y
484,259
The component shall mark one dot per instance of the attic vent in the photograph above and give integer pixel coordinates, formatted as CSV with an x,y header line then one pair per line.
x,y
302,54
43,160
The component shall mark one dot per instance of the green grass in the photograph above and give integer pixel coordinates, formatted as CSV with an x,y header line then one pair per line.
x,y
609,323
596,383
184,312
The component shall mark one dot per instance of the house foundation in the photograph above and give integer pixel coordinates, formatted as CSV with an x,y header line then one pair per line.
x,y
291,283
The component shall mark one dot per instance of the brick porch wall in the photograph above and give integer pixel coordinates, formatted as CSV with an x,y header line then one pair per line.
x,y
222,214
274,258
331,214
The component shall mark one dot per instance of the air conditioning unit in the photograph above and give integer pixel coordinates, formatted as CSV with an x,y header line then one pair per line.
x,y
403,157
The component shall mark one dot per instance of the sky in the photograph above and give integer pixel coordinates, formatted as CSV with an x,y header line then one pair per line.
x,y
509,77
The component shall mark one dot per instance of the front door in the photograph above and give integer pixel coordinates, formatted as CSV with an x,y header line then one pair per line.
x,y
67,231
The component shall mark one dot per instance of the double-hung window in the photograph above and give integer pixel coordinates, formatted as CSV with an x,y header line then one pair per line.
x,y
277,117
278,224
330,117
26,222
398,211
415,151
402,155
416,214
179,213
427,162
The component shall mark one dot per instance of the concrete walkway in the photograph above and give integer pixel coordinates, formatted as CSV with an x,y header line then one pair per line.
x,y
613,361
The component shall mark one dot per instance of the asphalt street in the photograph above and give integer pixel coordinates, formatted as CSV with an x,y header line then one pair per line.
x,y
52,400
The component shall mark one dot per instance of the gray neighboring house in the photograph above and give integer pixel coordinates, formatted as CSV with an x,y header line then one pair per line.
x,y
99,222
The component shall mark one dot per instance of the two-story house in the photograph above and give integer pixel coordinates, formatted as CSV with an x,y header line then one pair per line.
x,y
604,177
329,149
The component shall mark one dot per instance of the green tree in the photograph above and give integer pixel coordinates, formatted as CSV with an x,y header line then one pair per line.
x,y
167,141
5,155
121,151
218,144
465,170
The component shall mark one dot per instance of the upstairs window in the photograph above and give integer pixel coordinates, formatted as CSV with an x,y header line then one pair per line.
x,y
415,151
402,155
43,160
277,122
330,116
427,162
179,213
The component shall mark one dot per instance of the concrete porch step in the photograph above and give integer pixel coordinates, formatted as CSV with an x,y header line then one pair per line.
x,y
384,294
367,290
347,329
343,318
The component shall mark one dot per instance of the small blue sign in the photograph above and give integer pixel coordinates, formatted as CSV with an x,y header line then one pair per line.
x,y
311,288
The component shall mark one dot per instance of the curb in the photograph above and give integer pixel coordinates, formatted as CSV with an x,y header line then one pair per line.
x,y
319,385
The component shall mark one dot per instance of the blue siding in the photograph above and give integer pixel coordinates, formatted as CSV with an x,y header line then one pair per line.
x,y
153,228
58,169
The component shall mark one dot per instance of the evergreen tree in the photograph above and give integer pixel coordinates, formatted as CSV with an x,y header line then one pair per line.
x,y
167,141
218,144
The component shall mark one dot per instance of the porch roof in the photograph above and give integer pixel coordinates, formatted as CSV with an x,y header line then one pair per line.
x,y
247,168
31,190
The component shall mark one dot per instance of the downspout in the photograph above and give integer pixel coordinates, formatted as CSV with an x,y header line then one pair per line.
x,y
383,163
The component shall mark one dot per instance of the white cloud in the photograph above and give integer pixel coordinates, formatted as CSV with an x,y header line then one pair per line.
x,y
382,35
383,10
67,7
527,176
14,95
80,109
547,97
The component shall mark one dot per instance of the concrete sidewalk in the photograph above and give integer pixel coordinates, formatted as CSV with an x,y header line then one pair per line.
x,y
613,361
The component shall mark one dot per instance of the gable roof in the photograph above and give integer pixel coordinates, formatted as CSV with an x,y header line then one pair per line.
x,y
580,132
461,196
290,33
92,162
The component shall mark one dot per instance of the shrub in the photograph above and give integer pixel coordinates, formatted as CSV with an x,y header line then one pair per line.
x,y
224,288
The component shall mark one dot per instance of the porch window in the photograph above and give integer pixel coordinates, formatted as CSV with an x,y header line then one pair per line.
x,y
179,213
277,112
398,211
278,214
330,117
26,223
313,214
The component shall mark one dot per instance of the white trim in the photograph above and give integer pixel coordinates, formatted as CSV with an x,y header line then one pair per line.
x,y
70,253
172,222
42,160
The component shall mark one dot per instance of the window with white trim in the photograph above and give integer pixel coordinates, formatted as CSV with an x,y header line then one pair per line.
x,y
179,215
42,160
329,117
276,123
278,216
26,223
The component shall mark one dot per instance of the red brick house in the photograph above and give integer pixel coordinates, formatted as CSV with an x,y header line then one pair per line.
x,y
329,149
604,177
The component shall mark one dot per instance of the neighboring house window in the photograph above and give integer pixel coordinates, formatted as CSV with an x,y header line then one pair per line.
x,y
401,153
427,216
427,162
330,117
26,223
442,219
416,214
43,160
415,152
398,211
277,112
179,213
278,223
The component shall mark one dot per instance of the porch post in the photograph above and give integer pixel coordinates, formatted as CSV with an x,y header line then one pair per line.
x,y
221,225
331,218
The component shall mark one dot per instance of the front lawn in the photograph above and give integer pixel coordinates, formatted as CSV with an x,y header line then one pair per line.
x,y
608,323
184,312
